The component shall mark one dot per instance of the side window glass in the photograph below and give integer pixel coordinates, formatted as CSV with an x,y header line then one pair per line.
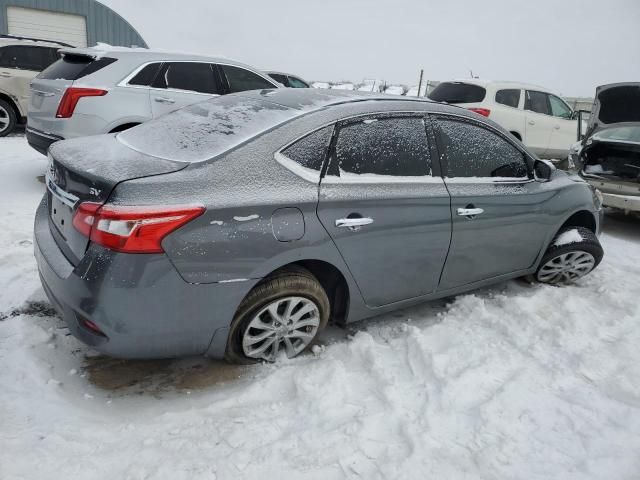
x,y
559,108
190,76
474,151
280,79
241,80
384,146
146,76
297,83
537,102
309,152
509,97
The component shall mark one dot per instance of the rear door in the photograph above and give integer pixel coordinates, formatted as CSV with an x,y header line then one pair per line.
x,y
183,83
540,123
498,209
386,207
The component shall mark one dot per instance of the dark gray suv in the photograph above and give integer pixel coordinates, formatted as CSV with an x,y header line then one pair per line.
x,y
240,226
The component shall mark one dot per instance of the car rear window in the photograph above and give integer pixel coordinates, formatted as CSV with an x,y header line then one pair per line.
x,y
202,131
457,92
73,67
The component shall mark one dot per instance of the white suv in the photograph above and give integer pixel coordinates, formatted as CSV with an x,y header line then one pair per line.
x,y
21,59
539,118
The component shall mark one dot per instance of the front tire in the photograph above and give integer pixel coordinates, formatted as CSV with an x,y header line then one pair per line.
x,y
8,119
574,253
283,313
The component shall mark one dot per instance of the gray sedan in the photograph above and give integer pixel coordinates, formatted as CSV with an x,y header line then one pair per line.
x,y
239,227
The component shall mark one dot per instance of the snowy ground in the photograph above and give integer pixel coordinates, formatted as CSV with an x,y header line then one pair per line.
x,y
512,382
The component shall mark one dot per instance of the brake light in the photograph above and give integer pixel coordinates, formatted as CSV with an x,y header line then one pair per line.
x,y
482,111
131,229
71,97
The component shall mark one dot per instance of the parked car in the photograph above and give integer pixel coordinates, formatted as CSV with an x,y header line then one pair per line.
x,y
21,59
109,89
608,157
288,80
240,226
542,120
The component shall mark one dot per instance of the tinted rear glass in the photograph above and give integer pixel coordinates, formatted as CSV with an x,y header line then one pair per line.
x,y
204,130
73,67
509,97
146,76
454,92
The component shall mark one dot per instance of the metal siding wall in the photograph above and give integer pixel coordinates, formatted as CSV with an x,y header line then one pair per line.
x,y
103,24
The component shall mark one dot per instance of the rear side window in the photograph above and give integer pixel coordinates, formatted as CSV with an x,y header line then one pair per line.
x,y
457,92
537,102
240,79
146,76
509,97
73,67
191,76
23,57
384,146
309,151
280,78
474,151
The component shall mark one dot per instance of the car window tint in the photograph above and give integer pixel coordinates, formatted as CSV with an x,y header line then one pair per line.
x,y
458,92
537,102
73,67
241,79
309,151
559,108
26,58
384,146
474,151
146,76
297,83
280,79
509,97
190,76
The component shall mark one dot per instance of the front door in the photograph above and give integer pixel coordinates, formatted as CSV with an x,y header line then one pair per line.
x,y
386,207
498,209
183,83
565,129
539,122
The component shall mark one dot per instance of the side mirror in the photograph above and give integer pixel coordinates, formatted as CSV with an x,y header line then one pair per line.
x,y
543,169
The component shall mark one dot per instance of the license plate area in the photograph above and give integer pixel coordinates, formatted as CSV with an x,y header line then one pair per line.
x,y
61,216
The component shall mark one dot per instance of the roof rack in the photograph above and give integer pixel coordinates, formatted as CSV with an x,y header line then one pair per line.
x,y
15,37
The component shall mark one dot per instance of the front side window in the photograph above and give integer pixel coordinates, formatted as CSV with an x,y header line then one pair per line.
x,y
190,76
559,108
26,58
474,151
297,83
309,151
383,146
240,79
537,102
509,97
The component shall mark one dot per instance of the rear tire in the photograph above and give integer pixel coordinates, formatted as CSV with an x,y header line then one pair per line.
x,y
8,118
571,259
285,312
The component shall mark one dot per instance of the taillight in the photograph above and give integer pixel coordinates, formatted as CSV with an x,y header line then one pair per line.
x,y
482,111
132,229
70,99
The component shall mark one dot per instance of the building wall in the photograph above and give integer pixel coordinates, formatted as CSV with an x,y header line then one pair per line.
x,y
103,24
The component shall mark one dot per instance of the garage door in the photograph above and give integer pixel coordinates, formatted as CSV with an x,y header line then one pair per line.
x,y
63,27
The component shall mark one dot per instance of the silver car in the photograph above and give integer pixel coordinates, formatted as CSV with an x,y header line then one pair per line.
x,y
240,226
98,90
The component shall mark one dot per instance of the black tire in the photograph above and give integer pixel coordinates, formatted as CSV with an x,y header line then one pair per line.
x,y
7,113
588,244
292,281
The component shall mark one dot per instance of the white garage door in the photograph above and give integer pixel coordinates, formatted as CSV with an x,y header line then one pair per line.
x,y
63,27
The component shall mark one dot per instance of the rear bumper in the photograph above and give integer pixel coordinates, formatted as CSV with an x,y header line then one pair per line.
x,y
41,141
624,202
145,309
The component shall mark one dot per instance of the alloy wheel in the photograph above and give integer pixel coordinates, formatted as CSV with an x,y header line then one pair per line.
x,y
566,267
288,324
4,119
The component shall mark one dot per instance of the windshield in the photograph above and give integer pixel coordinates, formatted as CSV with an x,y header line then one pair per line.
x,y
457,92
204,130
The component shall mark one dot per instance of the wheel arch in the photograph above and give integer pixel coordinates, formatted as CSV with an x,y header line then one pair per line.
x,y
13,104
581,218
516,134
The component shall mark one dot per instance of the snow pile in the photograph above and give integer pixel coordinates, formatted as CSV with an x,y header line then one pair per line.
x,y
516,381
570,236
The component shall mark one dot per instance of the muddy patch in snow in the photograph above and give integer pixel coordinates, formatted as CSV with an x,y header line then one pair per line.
x,y
37,309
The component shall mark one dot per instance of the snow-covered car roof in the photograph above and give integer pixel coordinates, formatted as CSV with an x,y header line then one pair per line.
x,y
500,84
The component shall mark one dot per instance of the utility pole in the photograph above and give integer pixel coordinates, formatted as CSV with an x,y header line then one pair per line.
x,y
420,82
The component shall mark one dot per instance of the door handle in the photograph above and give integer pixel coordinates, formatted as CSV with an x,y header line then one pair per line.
x,y
353,224
164,100
470,212
42,94
531,122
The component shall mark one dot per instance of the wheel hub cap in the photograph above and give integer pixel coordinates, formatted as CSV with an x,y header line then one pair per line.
x,y
566,267
288,324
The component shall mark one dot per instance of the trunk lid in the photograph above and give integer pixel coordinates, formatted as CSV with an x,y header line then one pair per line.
x,y
87,170
615,105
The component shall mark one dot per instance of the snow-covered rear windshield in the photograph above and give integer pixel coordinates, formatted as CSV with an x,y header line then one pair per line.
x,y
202,131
